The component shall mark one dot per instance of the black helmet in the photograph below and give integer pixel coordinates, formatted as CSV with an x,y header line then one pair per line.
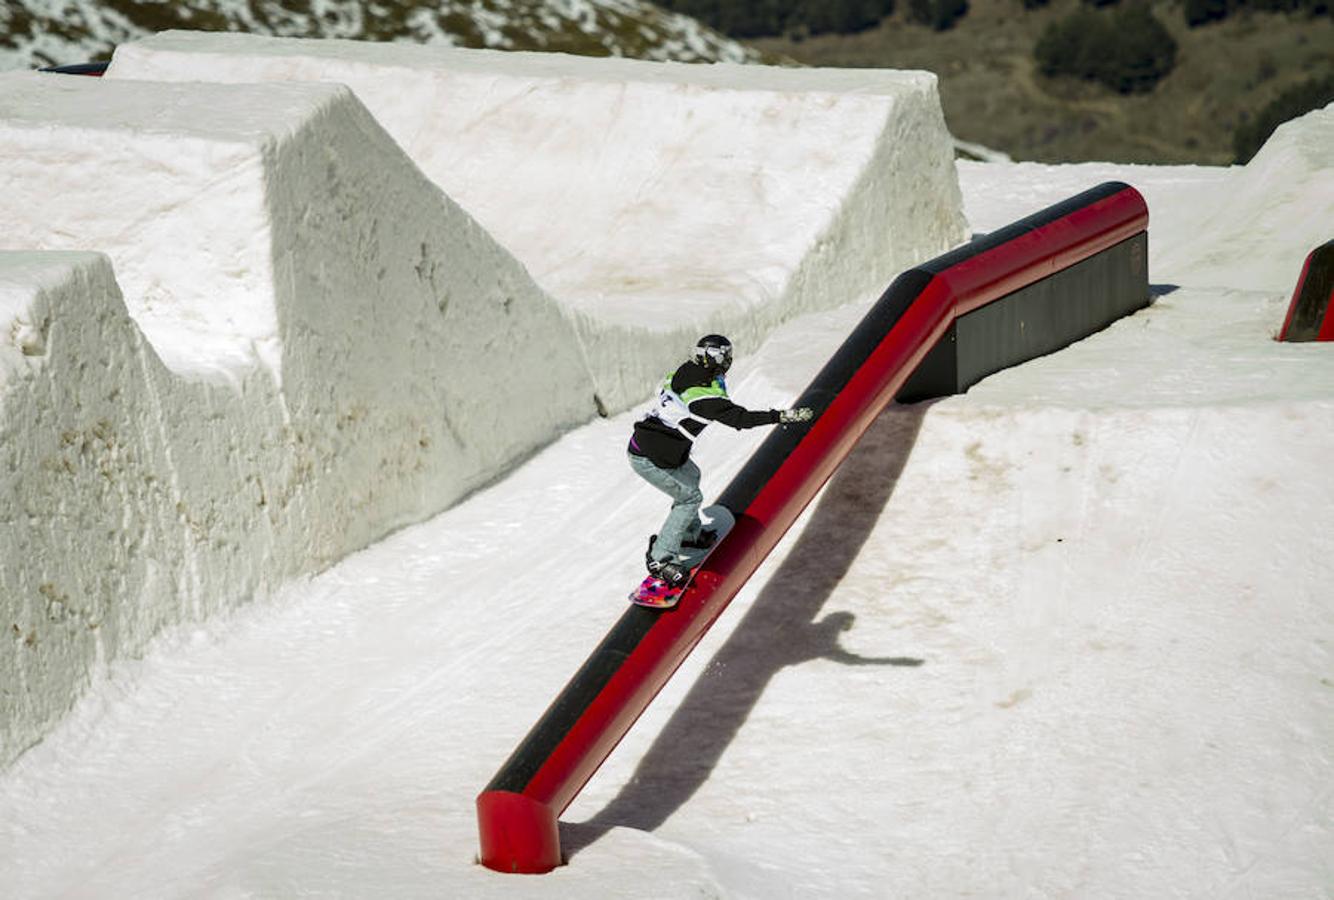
x,y
713,352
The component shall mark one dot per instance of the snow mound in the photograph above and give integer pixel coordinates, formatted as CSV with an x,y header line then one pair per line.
x,y
654,200
306,357
1231,228
98,513
1279,208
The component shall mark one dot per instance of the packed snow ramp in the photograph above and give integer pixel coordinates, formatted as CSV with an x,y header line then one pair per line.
x,y
654,201
1023,291
246,338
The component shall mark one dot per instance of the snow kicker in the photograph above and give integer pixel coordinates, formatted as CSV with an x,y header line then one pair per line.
x,y
655,202
301,356
1062,273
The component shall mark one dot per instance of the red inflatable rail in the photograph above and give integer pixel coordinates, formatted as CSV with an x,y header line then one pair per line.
x,y
518,810
1311,310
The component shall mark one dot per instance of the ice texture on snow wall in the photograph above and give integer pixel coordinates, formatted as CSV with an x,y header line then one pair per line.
x,y
655,201
305,357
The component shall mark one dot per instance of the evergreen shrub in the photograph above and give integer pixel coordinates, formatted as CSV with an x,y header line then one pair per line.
x,y
938,14
769,18
1127,50
1314,93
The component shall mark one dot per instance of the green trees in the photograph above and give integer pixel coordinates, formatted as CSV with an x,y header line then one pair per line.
x,y
1202,12
1198,12
1127,50
839,16
765,18
768,18
939,14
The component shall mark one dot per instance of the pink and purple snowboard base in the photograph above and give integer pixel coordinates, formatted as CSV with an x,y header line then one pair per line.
x,y
655,593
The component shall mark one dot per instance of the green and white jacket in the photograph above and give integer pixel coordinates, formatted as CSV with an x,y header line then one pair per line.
x,y
688,400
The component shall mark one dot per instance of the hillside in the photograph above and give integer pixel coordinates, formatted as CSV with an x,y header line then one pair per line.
x,y
1225,74
37,33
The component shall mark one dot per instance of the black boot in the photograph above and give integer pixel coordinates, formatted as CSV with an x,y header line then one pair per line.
x,y
674,574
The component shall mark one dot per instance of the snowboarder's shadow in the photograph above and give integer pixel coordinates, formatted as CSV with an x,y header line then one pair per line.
x,y
779,630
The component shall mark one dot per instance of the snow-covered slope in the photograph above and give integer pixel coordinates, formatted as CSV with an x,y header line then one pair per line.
x,y
348,349
50,32
1064,635
1247,227
90,522
807,188
333,330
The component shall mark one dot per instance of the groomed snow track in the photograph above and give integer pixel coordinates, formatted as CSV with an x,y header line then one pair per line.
x,y
1025,290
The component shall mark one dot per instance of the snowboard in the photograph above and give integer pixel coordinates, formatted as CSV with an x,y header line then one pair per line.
x,y
655,593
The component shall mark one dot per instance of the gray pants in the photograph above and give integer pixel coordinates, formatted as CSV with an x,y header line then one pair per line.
x,y
682,485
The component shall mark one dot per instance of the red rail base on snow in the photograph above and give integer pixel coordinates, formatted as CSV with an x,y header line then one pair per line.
x,y
1040,267
1311,311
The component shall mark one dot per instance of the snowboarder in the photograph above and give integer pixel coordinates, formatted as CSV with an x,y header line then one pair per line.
x,y
691,397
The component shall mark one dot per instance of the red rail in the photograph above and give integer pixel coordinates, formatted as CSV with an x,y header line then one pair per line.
x,y
1311,311
517,812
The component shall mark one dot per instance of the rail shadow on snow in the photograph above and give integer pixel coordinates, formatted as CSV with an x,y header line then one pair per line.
x,y
779,630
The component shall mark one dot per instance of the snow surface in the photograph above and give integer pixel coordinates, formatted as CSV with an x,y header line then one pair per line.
x,y
1245,227
582,168
1065,635
304,359
346,349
